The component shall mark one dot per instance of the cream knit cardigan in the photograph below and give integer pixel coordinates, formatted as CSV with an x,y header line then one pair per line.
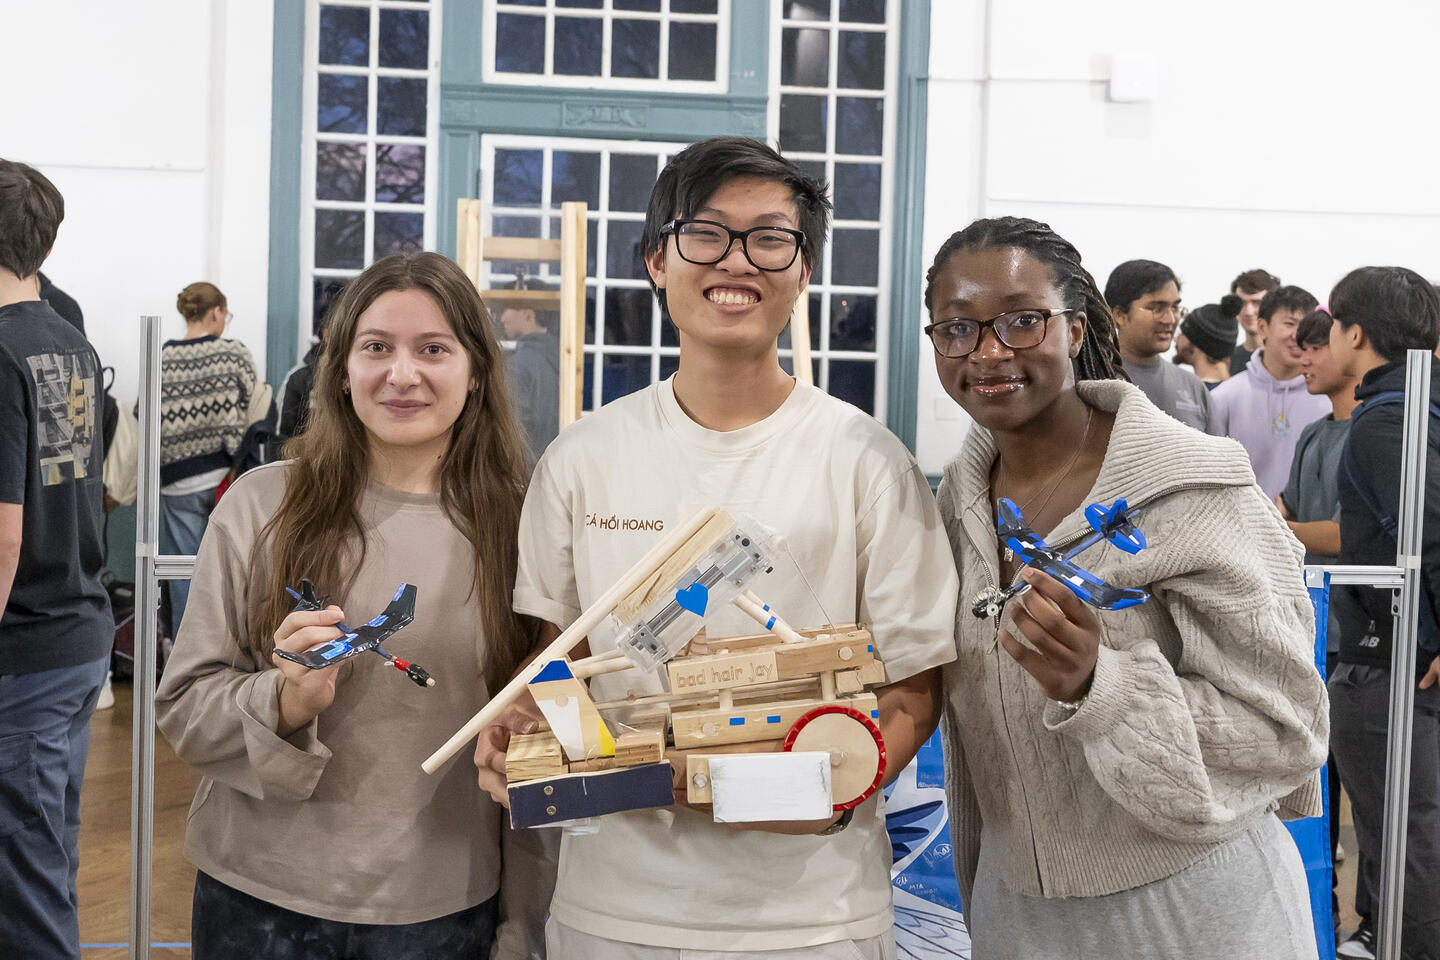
x,y
1206,711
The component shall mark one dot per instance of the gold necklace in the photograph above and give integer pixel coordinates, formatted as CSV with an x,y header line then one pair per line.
x,y
1054,484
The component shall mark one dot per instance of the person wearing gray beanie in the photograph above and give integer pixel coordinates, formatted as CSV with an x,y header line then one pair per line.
x,y
1207,337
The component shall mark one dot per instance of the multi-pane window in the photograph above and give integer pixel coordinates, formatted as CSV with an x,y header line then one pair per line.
x,y
832,110
679,46
524,181
370,101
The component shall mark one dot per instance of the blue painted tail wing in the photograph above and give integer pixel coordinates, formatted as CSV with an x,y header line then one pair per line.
x,y
1114,524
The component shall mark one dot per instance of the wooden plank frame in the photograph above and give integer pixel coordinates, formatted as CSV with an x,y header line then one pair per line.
x,y
800,338
473,248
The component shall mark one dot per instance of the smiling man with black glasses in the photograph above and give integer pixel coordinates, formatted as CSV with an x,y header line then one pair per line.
x,y
732,233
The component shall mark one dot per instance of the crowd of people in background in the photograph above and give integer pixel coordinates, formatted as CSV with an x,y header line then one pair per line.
x,y
1289,394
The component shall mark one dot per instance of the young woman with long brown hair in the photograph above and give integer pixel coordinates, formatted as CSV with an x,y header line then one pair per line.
x,y
313,825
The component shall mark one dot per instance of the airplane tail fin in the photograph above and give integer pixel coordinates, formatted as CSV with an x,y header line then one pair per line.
x,y
1115,524
305,599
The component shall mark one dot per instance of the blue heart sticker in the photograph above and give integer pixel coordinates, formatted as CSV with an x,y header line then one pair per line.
x,y
694,598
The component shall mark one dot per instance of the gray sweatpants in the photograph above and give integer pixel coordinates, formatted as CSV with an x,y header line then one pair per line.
x,y
1247,898
1359,726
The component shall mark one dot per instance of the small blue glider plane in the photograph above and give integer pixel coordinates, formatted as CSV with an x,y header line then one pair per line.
x,y
356,640
1114,524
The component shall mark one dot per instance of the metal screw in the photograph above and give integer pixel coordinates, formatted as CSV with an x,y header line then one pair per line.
x,y
550,811
549,790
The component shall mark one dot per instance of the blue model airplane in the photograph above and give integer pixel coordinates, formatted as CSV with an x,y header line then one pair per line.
x,y
369,636
1113,524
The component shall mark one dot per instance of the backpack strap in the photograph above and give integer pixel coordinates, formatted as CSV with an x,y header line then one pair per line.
x,y
1429,631
1389,521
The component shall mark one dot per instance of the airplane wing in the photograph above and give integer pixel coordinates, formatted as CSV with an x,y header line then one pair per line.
x,y
1089,587
399,613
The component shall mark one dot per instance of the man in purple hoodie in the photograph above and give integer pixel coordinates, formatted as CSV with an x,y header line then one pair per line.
x,y
1265,406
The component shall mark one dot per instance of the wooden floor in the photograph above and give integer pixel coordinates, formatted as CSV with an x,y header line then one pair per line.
x,y
104,885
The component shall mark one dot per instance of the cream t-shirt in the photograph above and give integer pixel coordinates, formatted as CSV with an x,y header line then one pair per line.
x,y
857,517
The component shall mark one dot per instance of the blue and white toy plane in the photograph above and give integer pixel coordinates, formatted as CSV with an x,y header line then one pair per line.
x,y
1114,524
369,636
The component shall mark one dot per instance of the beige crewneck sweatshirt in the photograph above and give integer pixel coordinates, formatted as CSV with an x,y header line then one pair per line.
x,y
1206,710
337,821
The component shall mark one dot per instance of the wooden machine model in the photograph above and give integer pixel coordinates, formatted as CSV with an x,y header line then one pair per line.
x,y
799,697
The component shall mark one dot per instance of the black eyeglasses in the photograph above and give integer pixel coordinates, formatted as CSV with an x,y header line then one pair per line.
x,y
1017,329
705,242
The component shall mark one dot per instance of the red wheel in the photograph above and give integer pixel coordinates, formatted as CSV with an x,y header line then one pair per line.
x,y
856,748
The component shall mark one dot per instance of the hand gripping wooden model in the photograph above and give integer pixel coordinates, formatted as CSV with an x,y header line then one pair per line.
x,y
798,696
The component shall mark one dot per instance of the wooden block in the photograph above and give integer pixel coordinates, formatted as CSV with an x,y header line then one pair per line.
x,y
848,681
800,338
697,778
872,673
521,299
703,646
663,579
577,795
711,646
838,652
522,248
748,722
574,233
533,755
571,714
468,236
631,748
689,674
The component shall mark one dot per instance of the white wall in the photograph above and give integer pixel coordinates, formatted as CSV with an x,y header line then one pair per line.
x,y
1298,137
153,120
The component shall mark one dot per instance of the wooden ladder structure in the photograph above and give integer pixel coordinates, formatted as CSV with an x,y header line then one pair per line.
x,y
473,248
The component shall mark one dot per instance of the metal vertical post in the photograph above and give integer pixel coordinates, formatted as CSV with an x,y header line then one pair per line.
x,y
1406,608
147,599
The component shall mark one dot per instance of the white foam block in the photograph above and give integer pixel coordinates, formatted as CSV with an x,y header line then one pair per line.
x,y
771,786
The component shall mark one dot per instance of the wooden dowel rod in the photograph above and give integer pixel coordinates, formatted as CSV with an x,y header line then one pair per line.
x,y
611,662
754,607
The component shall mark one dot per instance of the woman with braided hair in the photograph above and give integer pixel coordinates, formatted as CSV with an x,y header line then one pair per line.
x,y
1113,779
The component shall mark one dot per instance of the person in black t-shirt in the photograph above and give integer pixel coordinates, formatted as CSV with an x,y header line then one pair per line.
x,y
56,629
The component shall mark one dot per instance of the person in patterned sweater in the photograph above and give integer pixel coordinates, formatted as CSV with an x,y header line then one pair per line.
x,y
206,383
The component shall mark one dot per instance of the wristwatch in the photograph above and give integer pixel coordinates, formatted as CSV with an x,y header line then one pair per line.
x,y
845,817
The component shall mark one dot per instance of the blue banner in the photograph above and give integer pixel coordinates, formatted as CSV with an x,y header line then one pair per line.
x,y
928,923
